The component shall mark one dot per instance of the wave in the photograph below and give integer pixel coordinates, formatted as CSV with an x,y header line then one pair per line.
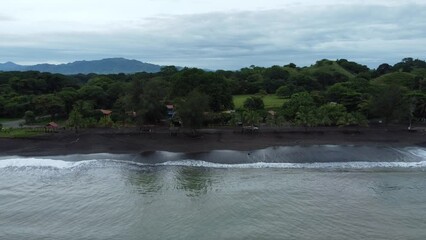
x,y
59,164
42,163
294,154
291,157
419,152
329,165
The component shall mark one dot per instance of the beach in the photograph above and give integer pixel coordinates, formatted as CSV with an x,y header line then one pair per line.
x,y
132,141
278,183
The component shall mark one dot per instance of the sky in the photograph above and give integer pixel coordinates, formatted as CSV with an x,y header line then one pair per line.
x,y
213,34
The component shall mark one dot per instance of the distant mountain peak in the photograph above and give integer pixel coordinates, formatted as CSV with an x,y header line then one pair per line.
x,y
103,66
10,66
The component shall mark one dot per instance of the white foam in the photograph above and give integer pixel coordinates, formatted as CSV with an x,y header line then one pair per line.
x,y
169,154
330,165
41,162
418,152
416,158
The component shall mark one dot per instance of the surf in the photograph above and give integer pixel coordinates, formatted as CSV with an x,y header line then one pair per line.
x,y
294,157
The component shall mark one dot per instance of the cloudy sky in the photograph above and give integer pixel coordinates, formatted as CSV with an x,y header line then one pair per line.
x,y
214,34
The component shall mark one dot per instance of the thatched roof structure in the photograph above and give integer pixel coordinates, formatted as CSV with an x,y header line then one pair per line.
x,y
106,112
52,125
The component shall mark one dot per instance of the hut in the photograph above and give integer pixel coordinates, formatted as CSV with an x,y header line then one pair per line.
x,y
170,110
106,112
51,127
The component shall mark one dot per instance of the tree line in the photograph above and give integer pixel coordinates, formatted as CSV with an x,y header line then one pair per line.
x,y
327,93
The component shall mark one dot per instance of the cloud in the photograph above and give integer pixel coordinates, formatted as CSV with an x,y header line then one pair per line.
x,y
5,18
370,34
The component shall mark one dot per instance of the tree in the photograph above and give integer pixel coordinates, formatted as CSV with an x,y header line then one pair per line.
x,y
28,85
275,77
93,93
252,117
100,81
218,91
185,81
191,109
152,104
345,95
331,113
75,119
106,121
168,70
421,107
55,82
49,104
388,103
114,91
17,105
253,83
383,69
416,105
29,117
297,101
122,110
284,91
68,96
147,99
353,119
276,73
306,117
254,103
85,108
305,82
352,67
214,85
2,103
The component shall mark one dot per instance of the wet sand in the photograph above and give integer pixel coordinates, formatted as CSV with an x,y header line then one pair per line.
x,y
131,141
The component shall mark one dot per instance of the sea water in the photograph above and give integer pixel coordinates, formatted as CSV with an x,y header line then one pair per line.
x,y
316,192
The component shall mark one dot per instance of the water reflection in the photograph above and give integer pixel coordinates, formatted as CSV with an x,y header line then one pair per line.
x,y
195,181
145,181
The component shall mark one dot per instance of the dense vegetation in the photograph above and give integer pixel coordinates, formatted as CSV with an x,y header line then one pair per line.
x,y
327,93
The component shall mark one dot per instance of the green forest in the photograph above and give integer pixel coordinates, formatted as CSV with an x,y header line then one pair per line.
x,y
327,93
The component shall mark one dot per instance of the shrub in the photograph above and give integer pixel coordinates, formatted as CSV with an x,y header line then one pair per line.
x,y
29,117
254,103
106,122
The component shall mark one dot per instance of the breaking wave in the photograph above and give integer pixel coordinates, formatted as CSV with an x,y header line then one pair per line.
x,y
329,165
41,163
294,157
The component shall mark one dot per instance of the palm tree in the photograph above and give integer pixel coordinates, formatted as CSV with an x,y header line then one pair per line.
x,y
306,116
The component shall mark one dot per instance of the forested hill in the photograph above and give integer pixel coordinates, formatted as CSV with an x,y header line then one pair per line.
x,y
104,66
326,93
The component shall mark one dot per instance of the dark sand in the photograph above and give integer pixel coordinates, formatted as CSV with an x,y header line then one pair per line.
x,y
131,141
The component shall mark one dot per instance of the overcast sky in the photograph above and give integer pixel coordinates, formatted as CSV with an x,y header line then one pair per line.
x,y
214,34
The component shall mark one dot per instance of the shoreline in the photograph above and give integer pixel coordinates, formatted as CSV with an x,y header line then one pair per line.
x,y
130,141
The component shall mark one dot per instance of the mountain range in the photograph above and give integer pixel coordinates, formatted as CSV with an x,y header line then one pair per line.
x,y
104,66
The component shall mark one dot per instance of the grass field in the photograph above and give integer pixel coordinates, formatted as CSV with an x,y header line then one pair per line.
x,y
396,78
8,119
271,101
18,133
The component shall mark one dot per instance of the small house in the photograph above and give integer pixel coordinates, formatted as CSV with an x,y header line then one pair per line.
x,y
170,110
51,127
106,112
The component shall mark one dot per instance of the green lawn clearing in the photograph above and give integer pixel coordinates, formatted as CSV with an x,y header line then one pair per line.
x,y
271,101
8,119
18,133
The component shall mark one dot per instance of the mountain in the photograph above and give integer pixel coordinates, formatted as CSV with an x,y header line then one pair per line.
x,y
104,66
10,66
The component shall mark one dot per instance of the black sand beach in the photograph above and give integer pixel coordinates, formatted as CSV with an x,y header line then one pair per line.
x,y
131,141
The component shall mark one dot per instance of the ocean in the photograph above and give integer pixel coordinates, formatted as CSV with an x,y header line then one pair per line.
x,y
298,192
